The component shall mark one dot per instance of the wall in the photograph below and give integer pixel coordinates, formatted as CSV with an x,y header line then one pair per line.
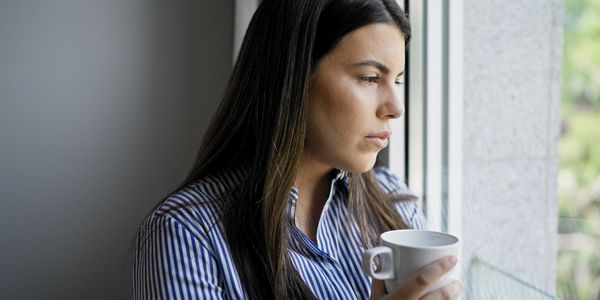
x,y
512,67
102,107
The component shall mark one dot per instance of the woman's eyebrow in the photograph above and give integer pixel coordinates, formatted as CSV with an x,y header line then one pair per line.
x,y
376,64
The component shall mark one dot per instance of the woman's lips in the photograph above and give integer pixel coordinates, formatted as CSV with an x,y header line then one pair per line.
x,y
382,143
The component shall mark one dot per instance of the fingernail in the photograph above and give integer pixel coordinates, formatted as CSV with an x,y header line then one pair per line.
x,y
452,259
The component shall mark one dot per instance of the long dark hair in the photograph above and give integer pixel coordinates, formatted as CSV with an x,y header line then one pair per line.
x,y
261,124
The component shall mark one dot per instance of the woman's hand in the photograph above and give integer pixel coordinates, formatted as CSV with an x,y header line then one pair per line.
x,y
414,287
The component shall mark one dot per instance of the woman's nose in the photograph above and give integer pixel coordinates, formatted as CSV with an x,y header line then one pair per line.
x,y
392,106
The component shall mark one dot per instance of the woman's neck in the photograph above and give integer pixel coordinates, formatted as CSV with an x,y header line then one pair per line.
x,y
313,183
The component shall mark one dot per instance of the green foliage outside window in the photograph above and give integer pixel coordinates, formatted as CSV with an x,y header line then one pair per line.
x,y
579,169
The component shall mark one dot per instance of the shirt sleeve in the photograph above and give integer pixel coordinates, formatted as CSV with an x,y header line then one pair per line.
x,y
407,205
171,263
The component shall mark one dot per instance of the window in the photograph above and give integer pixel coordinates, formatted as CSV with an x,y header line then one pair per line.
x,y
493,201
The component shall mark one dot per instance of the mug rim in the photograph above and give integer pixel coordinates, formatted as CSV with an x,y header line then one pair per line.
x,y
455,239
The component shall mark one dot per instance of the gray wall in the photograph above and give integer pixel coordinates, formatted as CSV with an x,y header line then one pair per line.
x,y
512,67
102,107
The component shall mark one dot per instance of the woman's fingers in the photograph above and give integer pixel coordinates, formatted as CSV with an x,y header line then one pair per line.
x,y
377,289
447,292
377,286
415,286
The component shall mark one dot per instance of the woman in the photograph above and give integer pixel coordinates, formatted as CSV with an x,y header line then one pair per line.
x,y
283,198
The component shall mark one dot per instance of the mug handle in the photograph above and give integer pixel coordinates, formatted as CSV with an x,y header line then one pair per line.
x,y
387,271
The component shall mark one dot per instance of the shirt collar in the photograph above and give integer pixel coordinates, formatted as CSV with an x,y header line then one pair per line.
x,y
299,242
340,175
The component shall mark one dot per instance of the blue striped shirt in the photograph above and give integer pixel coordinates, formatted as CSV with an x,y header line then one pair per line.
x,y
187,255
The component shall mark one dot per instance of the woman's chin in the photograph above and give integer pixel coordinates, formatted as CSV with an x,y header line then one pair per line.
x,y
364,167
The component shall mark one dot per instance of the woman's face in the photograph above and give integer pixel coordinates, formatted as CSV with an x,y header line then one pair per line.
x,y
355,93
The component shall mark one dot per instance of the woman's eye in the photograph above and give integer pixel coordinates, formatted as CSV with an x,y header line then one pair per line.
x,y
375,79
369,79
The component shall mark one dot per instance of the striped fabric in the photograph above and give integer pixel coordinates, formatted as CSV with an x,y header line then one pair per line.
x,y
187,257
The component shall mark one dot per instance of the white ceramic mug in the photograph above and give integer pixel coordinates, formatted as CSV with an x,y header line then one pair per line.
x,y
403,252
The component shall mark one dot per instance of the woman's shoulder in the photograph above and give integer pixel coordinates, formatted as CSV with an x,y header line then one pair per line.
x,y
200,203
404,201
389,181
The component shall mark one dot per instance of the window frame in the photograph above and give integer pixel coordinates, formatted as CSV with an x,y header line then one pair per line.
x,y
427,144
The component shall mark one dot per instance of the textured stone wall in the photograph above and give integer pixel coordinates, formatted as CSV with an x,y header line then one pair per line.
x,y
512,67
